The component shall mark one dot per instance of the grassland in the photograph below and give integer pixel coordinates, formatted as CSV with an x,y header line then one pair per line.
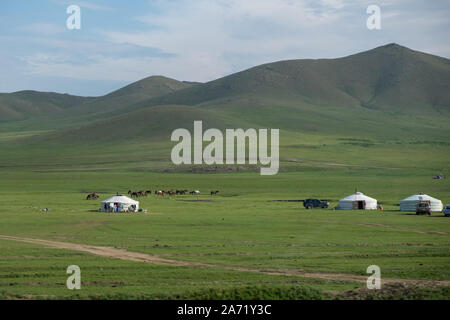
x,y
242,227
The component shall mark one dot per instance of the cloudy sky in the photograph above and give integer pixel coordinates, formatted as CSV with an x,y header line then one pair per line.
x,y
195,40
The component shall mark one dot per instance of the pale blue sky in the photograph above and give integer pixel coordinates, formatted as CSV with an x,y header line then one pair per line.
x,y
196,40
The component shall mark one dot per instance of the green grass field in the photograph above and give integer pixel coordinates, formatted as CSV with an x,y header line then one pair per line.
x,y
242,227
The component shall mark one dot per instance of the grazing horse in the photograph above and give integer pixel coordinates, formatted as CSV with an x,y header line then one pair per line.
x,y
214,192
159,193
148,192
194,192
92,196
137,194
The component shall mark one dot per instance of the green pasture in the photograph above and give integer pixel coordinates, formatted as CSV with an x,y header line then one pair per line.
x,y
242,226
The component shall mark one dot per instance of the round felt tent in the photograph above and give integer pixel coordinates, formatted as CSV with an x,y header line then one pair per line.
x,y
357,201
410,203
120,203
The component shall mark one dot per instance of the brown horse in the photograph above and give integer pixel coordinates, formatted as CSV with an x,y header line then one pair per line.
x,y
214,192
92,196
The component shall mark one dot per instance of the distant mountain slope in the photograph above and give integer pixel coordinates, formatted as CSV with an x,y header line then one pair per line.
x,y
148,123
150,87
136,92
54,110
385,107
391,78
22,104
390,87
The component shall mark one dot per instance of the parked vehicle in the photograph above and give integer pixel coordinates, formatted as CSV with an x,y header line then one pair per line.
x,y
423,207
315,203
447,210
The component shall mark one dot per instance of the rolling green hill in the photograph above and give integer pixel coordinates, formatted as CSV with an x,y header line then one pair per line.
x,y
391,78
391,87
141,90
382,100
40,110
25,104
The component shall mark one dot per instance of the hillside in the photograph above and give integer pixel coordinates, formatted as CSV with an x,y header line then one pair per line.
x,y
404,91
372,105
24,104
30,110
390,78
144,124
136,92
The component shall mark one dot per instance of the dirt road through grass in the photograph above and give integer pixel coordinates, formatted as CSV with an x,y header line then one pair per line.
x,y
111,252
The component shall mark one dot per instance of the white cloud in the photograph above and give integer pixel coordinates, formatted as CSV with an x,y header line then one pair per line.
x,y
335,4
43,28
202,32
85,4
119,69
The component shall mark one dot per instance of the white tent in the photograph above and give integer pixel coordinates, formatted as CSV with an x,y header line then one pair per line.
x,y
120,203
357,201
410,203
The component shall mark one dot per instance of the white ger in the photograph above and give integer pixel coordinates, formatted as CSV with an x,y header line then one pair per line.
x,y
119,203
410,203
357,201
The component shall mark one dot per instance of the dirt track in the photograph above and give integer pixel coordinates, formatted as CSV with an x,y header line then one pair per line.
x,y
111,252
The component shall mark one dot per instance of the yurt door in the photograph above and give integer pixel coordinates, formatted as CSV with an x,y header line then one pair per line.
x,y
361,205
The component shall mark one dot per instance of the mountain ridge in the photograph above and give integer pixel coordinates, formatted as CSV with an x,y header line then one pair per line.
x,y
362,91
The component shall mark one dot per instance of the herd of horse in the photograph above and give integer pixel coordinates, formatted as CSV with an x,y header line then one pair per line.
x,y
162,193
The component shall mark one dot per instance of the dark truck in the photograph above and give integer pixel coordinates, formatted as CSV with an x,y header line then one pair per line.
x,y
315,203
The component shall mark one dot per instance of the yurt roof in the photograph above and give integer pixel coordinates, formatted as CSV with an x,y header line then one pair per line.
x,y
120,199
358,196
420,197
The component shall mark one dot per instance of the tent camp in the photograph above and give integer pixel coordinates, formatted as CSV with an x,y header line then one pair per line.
x,y
410,203
119,203
357,201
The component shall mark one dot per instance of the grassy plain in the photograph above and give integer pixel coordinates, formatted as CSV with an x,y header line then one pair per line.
x,y
241,227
